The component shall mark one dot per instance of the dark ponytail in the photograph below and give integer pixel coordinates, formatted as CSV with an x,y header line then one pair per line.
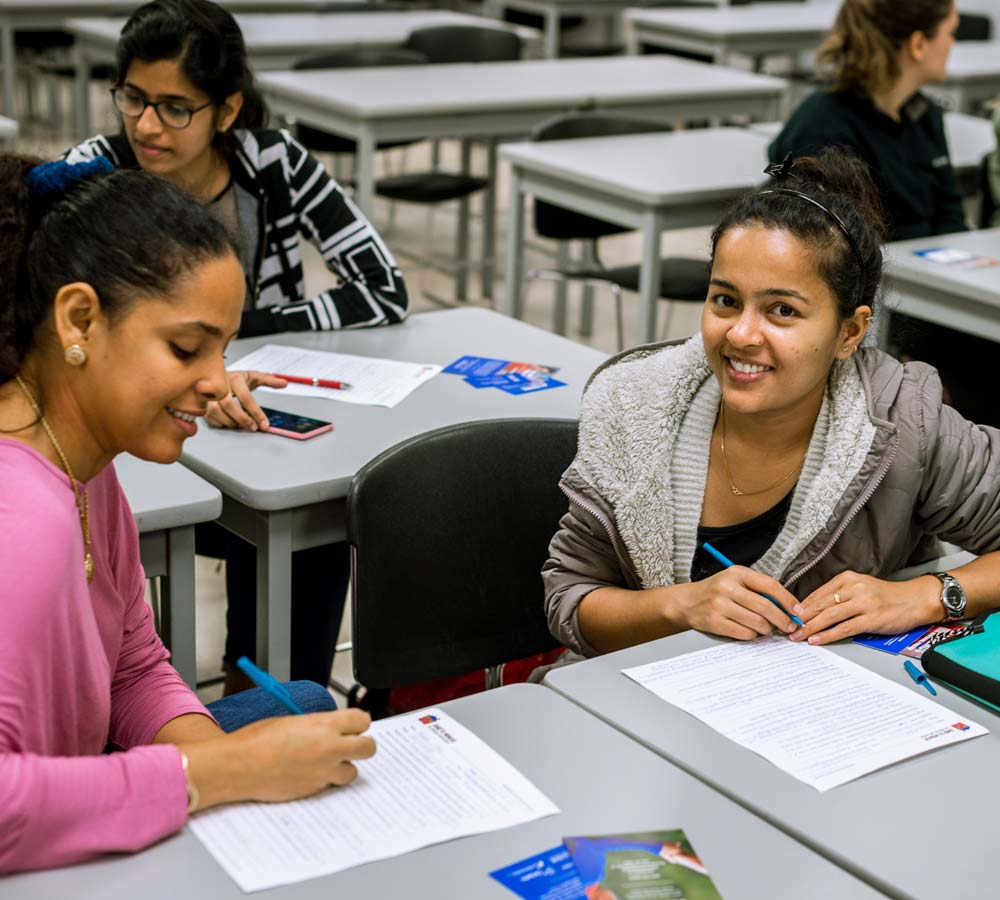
x,y
129,235
841,182
208,44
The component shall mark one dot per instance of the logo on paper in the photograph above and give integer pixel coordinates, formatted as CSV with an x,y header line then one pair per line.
x,y
960,726
426,720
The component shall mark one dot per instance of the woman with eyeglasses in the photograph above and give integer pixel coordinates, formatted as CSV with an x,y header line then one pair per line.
x,y
191,114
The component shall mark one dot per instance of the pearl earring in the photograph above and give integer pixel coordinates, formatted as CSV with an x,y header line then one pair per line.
x,y
75,355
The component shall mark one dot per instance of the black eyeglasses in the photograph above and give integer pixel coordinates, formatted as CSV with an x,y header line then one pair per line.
x,y
132,104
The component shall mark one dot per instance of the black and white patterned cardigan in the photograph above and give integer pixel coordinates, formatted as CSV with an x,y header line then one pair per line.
x,y
295,196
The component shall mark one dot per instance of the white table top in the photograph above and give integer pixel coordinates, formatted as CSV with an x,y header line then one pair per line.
x,y
757,19
270,472
972,60
980,284
970,138
527,84
8,127
893,828
164,497
112,7
602,782
275,32
658,169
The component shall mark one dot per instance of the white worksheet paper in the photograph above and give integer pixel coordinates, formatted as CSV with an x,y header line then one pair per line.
x,y
373,381
821,718
430,780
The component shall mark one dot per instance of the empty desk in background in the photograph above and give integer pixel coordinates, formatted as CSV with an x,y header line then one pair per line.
x,y
552,11
34,15
964,299
493,100
167,502
758,30
889,828
650,182
602,782
973,76
970,138
279,40
8,133
284,495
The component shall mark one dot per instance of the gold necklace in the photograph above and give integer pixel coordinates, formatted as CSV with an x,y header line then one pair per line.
x,y
729,475
82,501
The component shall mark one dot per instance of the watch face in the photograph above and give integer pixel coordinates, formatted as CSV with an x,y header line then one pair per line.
x,y
954,597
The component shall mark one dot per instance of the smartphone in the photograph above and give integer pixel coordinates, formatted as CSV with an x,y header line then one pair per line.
x,y
299,428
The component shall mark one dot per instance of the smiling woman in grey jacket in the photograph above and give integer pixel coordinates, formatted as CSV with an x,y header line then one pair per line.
x,y
818,466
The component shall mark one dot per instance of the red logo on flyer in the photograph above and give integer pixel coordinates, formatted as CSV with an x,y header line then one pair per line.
x,y
426,720
960,726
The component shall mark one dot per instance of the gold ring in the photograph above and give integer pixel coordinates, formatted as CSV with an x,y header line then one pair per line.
x,y
836,597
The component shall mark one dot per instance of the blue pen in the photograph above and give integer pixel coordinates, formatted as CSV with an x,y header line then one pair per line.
x,y
918,676
268,683
728,562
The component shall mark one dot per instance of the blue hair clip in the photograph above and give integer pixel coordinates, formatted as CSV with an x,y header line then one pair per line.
x,y
52,179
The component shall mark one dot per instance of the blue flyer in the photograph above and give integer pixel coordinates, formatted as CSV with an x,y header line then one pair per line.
x,y
890,643
516,378
476,366
548,876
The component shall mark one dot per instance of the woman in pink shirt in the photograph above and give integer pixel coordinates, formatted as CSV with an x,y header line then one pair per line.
x,y
118,296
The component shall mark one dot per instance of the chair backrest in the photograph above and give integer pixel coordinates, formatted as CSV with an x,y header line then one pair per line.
x,y
987,202
557,222
362,57
464,44
449,532
973,27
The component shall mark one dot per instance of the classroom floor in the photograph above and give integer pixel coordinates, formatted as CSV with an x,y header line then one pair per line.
x,y
406,230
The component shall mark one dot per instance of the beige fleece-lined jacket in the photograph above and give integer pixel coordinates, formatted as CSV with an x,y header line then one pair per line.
x,y
889,470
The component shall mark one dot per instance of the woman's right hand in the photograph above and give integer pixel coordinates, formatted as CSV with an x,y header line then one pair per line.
x,y
730,604
283,758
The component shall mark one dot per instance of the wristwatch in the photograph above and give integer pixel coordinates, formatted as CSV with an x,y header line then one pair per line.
x,y
953,597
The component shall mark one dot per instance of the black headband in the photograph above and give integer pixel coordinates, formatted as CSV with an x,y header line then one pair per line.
x,y
781,170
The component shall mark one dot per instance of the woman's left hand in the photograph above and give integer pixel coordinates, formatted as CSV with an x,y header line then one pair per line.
x,y
852,604
239,409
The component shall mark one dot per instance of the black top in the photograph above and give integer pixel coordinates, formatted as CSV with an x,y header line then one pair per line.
x,y
908,159
744,543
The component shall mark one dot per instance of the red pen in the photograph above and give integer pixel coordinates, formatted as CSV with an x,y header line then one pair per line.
x,y
314,382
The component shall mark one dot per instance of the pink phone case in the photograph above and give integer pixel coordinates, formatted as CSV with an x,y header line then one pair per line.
x,y
295,436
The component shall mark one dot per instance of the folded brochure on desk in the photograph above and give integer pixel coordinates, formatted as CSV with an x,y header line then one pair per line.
x,y
373,381
823,719
430,780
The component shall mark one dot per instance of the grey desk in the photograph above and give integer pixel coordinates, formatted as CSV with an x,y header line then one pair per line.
x,y
167,502
284,495
890,828
602,782
506,99
759,30
970,138
651,182
277,41
973,76
27,15
552,11
965,299
8,133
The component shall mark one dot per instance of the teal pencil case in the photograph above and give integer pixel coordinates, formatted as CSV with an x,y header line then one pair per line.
x,y
970,661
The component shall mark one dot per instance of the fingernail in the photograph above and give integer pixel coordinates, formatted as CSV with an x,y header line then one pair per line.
x,y
797,609
253,427
814,639
790,627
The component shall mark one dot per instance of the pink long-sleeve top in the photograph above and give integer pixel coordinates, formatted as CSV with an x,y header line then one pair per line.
x,y
80,666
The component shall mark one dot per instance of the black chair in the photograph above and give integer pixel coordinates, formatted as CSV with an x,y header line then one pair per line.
x,y
448,532
448,44
974,27
987,202
680,278
318,140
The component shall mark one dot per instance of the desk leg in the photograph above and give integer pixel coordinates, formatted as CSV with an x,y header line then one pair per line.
x,y
274,593
552,32
515,248
9,69
81,93
462,233
177,603
649,279
364,173
489,221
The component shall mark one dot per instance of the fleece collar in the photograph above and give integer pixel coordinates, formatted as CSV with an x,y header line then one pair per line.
x,y
645,434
